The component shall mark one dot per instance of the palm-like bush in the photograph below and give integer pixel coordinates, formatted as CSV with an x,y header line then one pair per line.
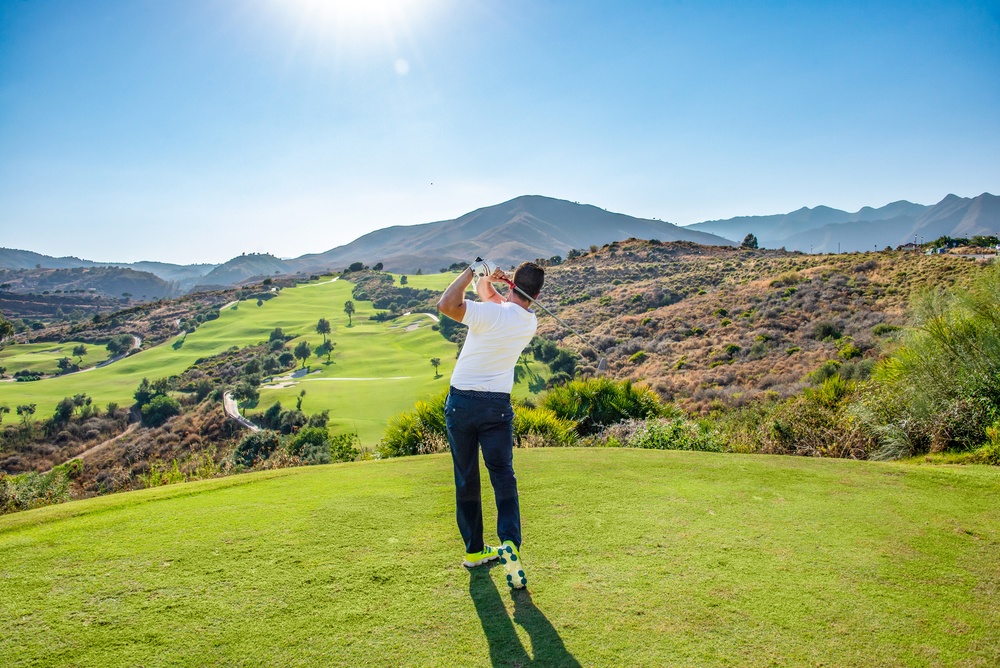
x,y
940,389
416,432
541,426
597,402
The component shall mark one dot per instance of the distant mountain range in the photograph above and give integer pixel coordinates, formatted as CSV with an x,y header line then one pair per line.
x,y
521,229
533,226
826,230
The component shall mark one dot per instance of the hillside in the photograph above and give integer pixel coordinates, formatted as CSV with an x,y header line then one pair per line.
x,y
242,268
825,230
523,228
108,281
185,276
713,326
734,560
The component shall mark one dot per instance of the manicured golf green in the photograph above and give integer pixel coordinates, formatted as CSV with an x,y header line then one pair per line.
x,y
44,357
378,369
633,557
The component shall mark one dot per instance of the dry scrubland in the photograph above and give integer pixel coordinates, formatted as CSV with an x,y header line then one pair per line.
x,y
709,327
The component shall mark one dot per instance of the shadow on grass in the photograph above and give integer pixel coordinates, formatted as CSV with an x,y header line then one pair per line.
x,y
505,647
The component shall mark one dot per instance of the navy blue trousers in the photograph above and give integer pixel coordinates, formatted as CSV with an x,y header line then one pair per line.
x,y
487,422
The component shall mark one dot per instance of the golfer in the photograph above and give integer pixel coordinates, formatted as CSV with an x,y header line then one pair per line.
x,y
478,411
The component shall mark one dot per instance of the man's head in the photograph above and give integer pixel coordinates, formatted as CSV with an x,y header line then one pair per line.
x,y
529,278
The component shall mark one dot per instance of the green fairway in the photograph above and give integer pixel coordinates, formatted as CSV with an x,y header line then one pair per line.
x,y
634,557
44,357
378,369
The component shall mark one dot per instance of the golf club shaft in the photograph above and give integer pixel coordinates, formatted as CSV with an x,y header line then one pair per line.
x,y
539,305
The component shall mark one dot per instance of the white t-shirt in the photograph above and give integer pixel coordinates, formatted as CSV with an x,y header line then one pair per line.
x,y
497,335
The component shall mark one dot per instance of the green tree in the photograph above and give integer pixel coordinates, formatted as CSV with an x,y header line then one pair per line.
x,y
79,351
298,401
325,349
749,241
403,280
277,335
323,327
160,409
26,411
4,410
6,328
302,352
349,310
436,362
65,364
247,394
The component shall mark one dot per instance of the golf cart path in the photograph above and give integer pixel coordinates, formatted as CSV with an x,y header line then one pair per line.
x,y
233,412
313,285
429,315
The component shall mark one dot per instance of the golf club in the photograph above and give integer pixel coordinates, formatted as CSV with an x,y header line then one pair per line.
x,y
602,362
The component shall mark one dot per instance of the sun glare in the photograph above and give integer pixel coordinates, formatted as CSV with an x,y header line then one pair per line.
x,y
361,14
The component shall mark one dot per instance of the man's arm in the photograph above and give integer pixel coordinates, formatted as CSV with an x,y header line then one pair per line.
x,y
485,289
452,301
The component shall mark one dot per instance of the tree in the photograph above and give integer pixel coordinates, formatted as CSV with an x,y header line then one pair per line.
x,y
65,364
4,410
26,411
159,410
377,266
6,328
325,348
277,335
356,266
298,402
246,393
302,352
749,241
79,351
402,280
436,362
260,302
323,327
349,310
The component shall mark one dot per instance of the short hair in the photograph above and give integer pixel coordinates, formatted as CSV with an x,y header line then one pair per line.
x,y
529,277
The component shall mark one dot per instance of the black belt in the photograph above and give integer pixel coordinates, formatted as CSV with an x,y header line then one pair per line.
x,y
479,395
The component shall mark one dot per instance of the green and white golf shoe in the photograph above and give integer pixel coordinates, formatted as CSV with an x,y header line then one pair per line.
x,y
479,558
510,557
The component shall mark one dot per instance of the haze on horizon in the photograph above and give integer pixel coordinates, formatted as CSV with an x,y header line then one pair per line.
x,y
191,131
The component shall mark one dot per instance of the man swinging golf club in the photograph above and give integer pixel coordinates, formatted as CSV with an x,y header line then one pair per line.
x,y
478,411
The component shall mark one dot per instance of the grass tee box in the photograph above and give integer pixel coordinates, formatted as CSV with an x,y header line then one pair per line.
x,y
634,557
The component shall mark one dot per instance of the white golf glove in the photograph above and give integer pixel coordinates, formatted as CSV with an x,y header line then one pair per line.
x,y
483,268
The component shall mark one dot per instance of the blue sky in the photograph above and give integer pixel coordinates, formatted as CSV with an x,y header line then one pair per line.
x,y
192,131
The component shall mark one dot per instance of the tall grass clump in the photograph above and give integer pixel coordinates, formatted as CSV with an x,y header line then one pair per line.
x,y
34,490
541,427
595,403
673,433
940,389
417,432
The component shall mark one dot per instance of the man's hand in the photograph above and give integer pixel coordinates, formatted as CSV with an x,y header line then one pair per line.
x,y
483,268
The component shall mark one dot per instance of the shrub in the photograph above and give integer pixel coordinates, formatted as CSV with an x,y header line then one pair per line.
x,y
311,445
420,431
160,409
345,447
675,433
257,445
824,329
597,402
34,490
940,389
544,426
